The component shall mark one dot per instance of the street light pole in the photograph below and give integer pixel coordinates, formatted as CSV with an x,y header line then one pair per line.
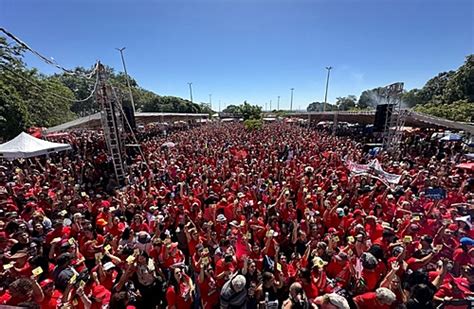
x,y
126,77
191,91
210,101
278,103
270,106
291,100
327,85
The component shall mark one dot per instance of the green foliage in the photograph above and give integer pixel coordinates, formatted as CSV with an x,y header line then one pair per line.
x,y
249,111
318,107
346,103
31,99
245,110
170,104
462,110
368,99
253,124
28,98
14,116
411,98
231,109
280,113
449,94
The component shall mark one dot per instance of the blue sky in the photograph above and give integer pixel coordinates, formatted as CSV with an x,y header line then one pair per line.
x,y
252,50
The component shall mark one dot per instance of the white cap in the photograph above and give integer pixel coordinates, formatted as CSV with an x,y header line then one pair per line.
x,y
109,265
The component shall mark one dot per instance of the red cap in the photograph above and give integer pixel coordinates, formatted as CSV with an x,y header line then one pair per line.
x,y
453,227
331,230
45,282
100,292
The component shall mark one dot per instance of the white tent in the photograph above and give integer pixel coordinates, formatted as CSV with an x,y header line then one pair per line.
x,y
26,146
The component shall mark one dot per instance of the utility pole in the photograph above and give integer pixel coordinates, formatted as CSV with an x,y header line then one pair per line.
x,y
265,107
191,91
278,103
219,106
291,100
210,101
270,106
327,85
126,76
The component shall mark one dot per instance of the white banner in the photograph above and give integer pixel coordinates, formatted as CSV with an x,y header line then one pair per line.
x,y
373,169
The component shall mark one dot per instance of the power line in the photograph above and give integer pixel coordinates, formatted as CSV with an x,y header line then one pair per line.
x,y
52,93
50,61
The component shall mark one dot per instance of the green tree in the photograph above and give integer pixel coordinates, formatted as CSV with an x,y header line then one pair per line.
x,y
346,103
249,111
14,116
231,109
315,107
253,124
411,98
462,110
434,88
369,99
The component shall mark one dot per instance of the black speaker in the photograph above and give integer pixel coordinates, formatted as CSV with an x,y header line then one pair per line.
x,y
381,114
128,111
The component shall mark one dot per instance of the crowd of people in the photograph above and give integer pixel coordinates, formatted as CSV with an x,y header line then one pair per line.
x,y
231,218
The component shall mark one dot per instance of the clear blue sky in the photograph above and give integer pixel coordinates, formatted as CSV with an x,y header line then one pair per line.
x,y
251,50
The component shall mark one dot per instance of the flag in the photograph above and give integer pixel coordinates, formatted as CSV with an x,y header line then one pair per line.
x,y
373,169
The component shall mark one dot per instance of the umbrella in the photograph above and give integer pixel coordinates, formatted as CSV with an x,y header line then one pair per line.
x,y
467,166
168,144
452,137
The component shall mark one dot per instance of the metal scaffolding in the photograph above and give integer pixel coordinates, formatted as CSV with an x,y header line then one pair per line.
x,y
396,116
112,124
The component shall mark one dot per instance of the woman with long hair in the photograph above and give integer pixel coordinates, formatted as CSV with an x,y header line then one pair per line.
x,y
180,292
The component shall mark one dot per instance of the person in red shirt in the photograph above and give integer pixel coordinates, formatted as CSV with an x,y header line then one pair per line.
x,y
90,243
22,290
382,298
307,282
180,292
139,224
463,255
58,231
208,286
172,255
52,296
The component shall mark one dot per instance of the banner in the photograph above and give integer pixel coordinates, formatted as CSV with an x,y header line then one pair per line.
x,y
373,169
435,193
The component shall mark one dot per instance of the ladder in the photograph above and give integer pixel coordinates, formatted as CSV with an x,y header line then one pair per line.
x,y
111,119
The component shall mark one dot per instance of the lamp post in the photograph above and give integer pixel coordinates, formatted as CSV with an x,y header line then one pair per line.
x,y
327,85
126,77
291,100
191,91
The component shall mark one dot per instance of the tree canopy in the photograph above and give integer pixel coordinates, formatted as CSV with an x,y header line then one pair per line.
x,y
245,110
29,98
448,94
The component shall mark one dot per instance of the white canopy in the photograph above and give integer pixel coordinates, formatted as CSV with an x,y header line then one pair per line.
x,y
26,146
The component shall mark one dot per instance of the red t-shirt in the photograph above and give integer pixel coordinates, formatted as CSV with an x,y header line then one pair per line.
x,y
86,247
53,301
209,293
180,299
369,301
461,257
